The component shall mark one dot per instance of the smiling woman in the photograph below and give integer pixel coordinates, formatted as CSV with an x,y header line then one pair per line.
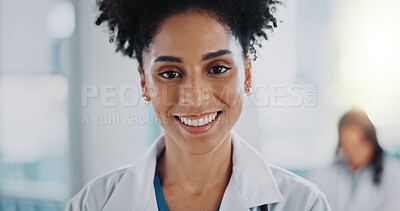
x,y
194,52
195,68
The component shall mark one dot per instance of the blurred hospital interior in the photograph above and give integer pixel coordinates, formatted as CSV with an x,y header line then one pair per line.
x,y
71,108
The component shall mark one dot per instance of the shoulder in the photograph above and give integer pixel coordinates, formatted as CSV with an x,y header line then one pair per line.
x,y
337,167
392,165
337,172
299,191
95,194
289,183
391,171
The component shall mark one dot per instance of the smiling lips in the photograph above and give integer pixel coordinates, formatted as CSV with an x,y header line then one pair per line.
x,y
198,124
199,121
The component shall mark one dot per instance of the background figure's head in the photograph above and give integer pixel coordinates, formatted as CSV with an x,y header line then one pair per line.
x,y
358,143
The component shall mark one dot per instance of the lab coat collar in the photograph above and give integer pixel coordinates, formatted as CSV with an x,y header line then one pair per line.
x,y
252,183
252,176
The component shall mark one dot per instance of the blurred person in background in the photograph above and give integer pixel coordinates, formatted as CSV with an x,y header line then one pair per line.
x,y
362,178
196,55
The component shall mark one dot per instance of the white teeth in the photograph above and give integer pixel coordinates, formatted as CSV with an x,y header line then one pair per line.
x,y
198,122
201,121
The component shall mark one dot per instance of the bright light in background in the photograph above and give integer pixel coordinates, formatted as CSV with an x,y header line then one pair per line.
x,y
60,22
350,51
369,63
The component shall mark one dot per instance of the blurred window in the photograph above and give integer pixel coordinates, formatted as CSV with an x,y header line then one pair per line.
x,y
34,145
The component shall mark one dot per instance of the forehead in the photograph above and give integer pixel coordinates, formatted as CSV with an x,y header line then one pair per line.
x,y
351,132
192,34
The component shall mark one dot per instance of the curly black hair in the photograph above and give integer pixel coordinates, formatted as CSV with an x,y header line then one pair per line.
x,y
133,24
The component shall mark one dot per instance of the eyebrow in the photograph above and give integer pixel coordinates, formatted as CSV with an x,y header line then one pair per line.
x,y
204,58
168,59
216,54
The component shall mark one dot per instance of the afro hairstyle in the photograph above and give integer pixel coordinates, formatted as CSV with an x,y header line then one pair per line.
x,y
132,24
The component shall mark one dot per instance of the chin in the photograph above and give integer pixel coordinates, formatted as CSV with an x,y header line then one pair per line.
x,y
201,146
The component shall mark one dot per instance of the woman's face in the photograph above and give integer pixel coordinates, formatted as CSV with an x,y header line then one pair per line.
x,y
357,150
194,72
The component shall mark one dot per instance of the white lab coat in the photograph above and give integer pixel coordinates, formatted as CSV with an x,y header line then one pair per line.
x,y
253,183
355,191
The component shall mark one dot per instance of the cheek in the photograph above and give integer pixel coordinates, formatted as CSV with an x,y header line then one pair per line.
x,y
168,95
356,152
232,87
367,150
231,94
228,90
346,149
349,148
236,91
163,97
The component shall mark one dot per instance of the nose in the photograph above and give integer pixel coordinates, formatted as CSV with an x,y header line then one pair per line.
x,y
195,92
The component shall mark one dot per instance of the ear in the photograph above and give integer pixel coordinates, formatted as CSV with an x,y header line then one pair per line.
x,y
143,84
247,75
142,79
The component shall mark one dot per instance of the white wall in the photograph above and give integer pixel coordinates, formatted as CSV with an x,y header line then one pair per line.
x,y
106,146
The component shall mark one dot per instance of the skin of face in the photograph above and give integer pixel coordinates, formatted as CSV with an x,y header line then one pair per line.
x,y
195,66
356,149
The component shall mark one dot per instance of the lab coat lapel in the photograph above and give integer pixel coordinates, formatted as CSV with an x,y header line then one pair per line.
x,y
233,199
252,177
252,183
136,190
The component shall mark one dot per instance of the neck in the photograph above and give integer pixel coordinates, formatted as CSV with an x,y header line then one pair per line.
x,y
196,173
357,167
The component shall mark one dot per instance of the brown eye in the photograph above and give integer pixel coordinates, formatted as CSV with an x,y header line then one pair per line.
x,y
219,69
170,74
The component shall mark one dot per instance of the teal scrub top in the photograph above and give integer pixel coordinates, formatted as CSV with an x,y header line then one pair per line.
x,y
159,195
